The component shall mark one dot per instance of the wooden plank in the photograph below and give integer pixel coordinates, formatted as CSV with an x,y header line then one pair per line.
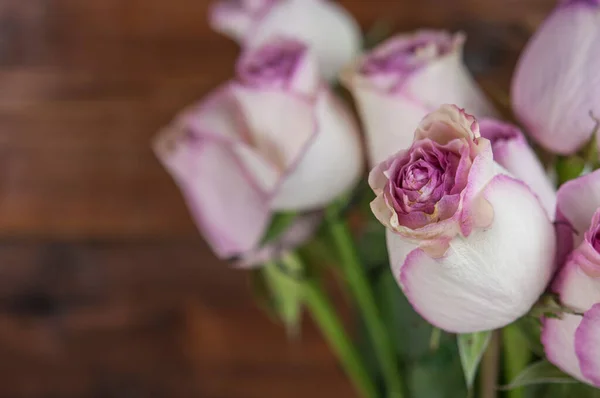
x,y
146,318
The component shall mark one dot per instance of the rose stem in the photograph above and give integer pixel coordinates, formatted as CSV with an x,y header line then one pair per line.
x,y
516,356
360,288
489,368
326,318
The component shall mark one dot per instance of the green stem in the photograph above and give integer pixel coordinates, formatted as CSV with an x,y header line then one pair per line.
x,y
325,316
490,368
516,356
363,294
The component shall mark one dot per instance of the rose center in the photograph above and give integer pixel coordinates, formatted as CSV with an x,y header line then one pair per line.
x,y
425,184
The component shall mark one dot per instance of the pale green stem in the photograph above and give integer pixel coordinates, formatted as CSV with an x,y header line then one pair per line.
x,y
328,321
362,292
516,357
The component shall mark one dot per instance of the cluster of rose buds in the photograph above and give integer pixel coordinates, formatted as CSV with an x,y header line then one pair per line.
x,y
476,231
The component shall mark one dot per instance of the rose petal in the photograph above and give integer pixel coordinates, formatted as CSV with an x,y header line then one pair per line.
x,y
577,201
330,166
328,29
230,210
513,153
579,291
280,124
587,344
480,284
556,85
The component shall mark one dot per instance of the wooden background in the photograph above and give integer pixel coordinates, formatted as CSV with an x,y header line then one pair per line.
x,y
106,289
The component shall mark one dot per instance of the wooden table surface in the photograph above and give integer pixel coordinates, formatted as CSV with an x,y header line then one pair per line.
x,y
106,288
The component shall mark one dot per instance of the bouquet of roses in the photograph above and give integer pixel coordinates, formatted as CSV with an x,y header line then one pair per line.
x,y
470,253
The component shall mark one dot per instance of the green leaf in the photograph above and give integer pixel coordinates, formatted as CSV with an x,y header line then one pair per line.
x,y
471,348
568,168
571,390
539,373
285,292
530,329
437,374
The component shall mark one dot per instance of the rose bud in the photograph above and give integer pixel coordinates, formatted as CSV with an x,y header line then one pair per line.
x,y
555,89
274,139
327,28
572,341
405,78
512,152
471,247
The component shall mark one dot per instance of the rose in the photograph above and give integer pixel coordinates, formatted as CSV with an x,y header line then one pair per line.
x,y
513,153
556,86
403,79
572,341
328,29
275,139
470,246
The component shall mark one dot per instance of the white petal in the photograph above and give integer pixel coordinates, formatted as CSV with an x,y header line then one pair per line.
x,y
390,121
332,164
329,30
448,81
280,124
578,200
491,278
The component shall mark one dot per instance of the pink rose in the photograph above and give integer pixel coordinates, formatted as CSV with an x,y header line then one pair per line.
x,y
470,246
327,28
274,139
512,152
556,87
573,342
399,82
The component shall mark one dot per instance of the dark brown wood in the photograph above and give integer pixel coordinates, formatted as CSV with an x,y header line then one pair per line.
x,y
106,289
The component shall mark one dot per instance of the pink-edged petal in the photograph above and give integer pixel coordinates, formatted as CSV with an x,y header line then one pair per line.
x,y
330,165
512,152
587,345
329,30
558,338
229,209
280,125
477,212
219,117
493,277
556,86
577,201
448,81
580,292
280,63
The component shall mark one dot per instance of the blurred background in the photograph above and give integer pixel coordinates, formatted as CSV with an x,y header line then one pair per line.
x,y
106,288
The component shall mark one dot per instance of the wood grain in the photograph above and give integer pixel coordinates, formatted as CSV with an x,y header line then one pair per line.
x,y
106,288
